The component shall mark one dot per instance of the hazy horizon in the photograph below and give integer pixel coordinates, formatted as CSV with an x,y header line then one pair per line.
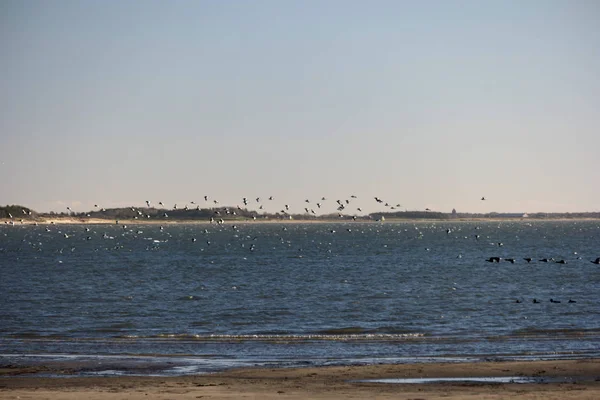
x,y
428,105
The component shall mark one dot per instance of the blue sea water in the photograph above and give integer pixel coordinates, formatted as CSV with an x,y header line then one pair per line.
x,y
203,297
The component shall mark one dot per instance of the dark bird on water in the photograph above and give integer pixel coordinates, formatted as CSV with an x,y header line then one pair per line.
x,y
554,301
493,259
528,259
596,261
571,301
536,301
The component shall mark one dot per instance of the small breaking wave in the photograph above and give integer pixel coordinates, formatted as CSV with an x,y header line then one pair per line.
x,y
342,337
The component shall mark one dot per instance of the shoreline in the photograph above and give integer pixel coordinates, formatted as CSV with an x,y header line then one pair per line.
x,y
100,221
556,379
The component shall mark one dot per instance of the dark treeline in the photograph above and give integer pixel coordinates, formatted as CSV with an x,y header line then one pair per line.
x,y
16,211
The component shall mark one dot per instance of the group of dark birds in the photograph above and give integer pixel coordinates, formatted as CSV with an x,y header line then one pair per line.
x,y
545,260
529,259
536,301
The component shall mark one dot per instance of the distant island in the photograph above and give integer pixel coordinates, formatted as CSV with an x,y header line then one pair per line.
x,y
18,213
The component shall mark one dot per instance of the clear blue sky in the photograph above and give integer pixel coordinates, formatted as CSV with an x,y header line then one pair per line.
x,y
429,104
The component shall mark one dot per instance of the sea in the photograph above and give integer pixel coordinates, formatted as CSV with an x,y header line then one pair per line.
x,y
198,298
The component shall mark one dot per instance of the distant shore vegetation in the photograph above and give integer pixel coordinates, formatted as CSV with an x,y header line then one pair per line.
x,y
22,213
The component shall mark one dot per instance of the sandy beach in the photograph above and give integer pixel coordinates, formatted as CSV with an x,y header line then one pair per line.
x,y
564,379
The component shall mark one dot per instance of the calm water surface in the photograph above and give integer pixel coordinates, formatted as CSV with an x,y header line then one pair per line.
x,y
217,296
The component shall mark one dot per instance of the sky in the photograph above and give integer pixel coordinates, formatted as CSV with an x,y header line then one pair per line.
x,y
429,104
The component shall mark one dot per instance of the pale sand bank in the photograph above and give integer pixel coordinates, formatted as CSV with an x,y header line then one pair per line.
x,y
577,379
102,221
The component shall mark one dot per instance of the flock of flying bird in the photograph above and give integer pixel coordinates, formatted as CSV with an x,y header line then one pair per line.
x,y
341,206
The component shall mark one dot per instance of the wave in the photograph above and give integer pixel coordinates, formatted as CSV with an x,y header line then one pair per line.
x,y
533,332
114,327
342,334
282,337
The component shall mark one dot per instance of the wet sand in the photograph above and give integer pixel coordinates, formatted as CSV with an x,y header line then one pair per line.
x,y
564,379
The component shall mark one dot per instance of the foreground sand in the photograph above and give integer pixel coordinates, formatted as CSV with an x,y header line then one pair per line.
x,y
580,379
